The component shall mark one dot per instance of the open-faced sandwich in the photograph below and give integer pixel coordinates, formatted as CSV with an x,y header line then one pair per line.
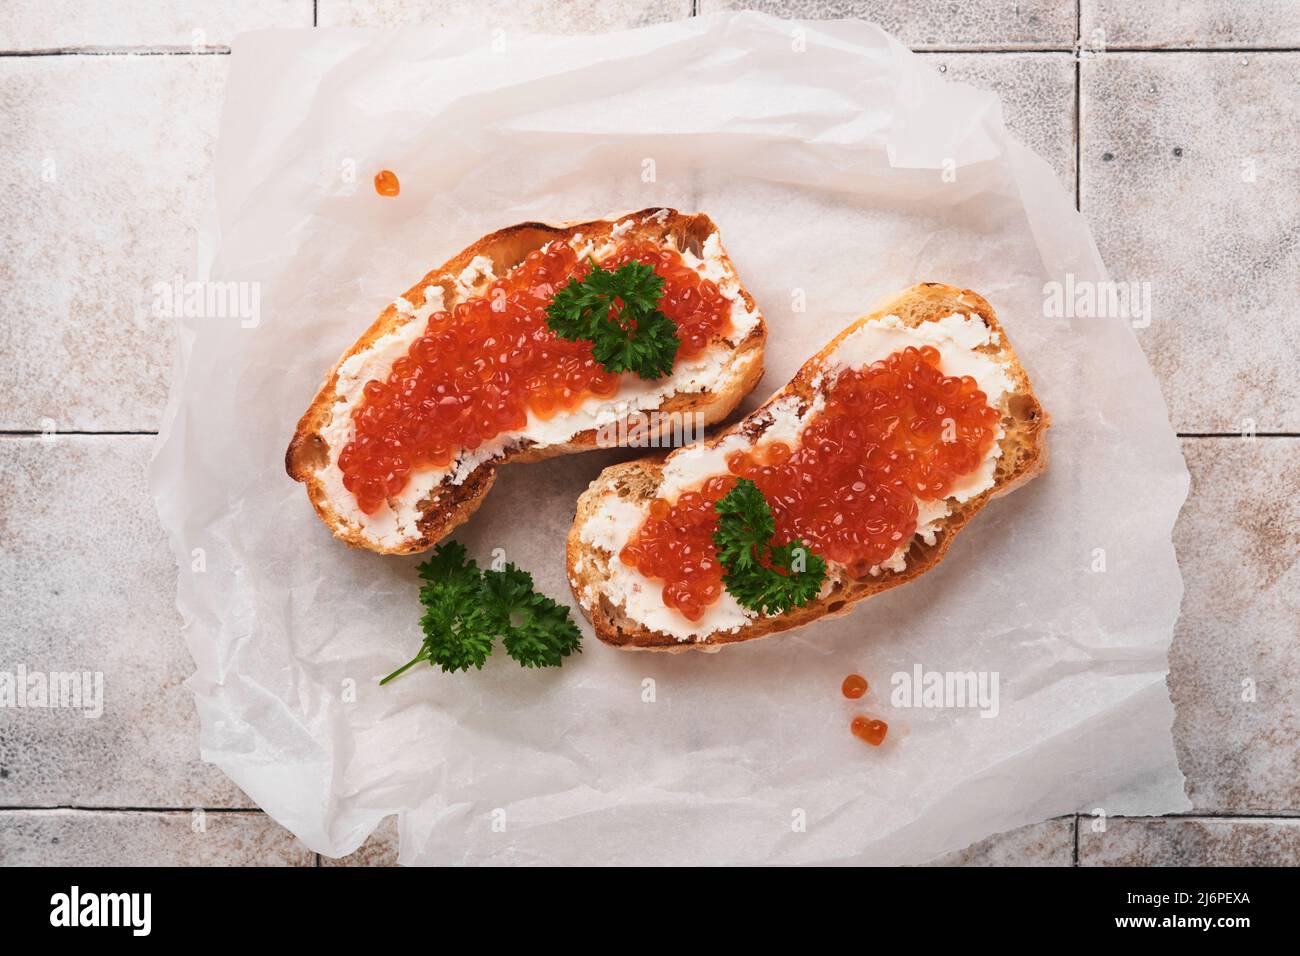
x,y
852,479
530,343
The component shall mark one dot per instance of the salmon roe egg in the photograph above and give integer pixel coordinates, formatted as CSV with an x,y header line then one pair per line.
x,y
386,183
854,686
872,731
894,432
491,363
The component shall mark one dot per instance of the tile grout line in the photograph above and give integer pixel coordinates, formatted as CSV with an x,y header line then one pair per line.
x,y
1195,49
1078,107
1238,435
45,808
1109,51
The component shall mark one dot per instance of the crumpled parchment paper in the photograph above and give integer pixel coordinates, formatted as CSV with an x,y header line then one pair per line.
x,y
840,168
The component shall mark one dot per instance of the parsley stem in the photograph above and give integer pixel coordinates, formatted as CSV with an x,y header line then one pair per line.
x,y
422,656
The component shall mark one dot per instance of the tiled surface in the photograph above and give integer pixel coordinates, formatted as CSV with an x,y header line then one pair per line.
x,y
546,16
165,24
115,838
1189,173
1183,841
88,584
1183,24
1037,92
1050,843
379,850
1235,663
103,180
104,174
974,24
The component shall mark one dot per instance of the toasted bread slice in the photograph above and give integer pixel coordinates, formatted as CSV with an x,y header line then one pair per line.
x,y
626,609
438,500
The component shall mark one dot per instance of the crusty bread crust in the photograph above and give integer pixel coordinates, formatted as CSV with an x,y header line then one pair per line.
x,y
1024,455
309,452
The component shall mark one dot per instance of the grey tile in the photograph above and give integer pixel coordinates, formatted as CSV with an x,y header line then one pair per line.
x,y
1188,841
937,23
87,584
1050,843
180,24
1235,661
133,838
379,850
103,181
1189,173
1037,92
1179,24
547,16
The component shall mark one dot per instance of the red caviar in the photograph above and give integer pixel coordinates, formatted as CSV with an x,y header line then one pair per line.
x,y
386,183
480,369
890,433
854,686
872,731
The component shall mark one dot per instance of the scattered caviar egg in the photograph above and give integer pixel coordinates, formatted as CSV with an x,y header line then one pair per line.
x,y
386,183
491,363
854,686
888,434
872,731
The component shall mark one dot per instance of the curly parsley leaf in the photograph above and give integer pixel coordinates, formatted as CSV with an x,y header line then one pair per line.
x,y
466,610
536,631
745,525
618,313
761,576
650,352
453,622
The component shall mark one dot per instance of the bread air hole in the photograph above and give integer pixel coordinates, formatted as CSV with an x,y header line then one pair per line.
x,y
311,455
1023,408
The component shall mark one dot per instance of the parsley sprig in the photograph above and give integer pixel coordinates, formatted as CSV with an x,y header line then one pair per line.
x,y
761,576
466,610
618,313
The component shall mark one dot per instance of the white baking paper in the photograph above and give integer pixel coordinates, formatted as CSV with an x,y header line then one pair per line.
x,y
840,168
